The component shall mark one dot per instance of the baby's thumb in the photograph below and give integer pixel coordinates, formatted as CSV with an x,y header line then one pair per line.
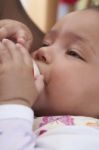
x,y
39,82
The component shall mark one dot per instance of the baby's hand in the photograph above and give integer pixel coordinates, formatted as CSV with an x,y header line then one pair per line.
x,y
16,77
17,32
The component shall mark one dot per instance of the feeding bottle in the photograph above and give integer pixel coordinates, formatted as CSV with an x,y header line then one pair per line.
x,y
36,70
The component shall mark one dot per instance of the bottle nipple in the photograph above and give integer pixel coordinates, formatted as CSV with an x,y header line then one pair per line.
x,y
36,70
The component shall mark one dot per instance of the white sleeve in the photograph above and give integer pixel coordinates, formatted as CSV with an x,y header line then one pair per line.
x,y
16,133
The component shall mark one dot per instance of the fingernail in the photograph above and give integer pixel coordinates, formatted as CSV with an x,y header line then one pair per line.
x,y
4,40
21,41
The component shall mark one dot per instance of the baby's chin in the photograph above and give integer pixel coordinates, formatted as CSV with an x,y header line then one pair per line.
x,y
40,105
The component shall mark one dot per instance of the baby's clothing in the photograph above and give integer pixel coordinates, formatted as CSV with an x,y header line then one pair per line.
x,y
45,124
48,133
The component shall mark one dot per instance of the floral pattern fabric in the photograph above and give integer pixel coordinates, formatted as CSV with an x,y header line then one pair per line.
x,y
44,124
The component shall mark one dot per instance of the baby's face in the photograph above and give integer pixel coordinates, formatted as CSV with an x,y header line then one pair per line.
x,y
69,61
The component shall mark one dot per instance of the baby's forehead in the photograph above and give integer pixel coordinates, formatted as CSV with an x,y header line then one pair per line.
x,y
78,26
80,19
81,23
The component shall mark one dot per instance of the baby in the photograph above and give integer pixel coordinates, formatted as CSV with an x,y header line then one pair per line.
x,y
68,85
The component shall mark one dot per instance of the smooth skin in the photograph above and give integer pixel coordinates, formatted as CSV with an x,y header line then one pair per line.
x,y
69,63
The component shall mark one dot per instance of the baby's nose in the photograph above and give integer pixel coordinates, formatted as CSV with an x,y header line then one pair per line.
x,y
43,55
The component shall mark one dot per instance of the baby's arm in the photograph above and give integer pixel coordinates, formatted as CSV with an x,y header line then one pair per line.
x,y
16,76
18,93
16,31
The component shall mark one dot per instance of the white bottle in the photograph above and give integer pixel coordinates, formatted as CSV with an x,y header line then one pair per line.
x,y
36,70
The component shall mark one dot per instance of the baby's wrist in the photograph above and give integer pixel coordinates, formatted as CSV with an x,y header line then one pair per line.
x,y
15,101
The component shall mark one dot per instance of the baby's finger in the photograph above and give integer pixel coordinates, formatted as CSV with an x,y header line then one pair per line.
x,y
8,31
4,54
24,40
18,34
15,54
26,56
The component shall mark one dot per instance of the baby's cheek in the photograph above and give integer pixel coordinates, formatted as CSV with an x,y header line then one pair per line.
x,y
61,84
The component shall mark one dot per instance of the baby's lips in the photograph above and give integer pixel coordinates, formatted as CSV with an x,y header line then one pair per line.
x,y
36,71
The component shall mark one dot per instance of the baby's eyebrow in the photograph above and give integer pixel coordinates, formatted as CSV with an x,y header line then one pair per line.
x,y
74,37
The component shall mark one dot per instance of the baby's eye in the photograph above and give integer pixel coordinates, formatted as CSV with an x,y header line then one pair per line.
x,y
73,53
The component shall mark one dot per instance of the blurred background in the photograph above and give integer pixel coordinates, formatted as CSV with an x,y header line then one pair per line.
x,y
40,15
